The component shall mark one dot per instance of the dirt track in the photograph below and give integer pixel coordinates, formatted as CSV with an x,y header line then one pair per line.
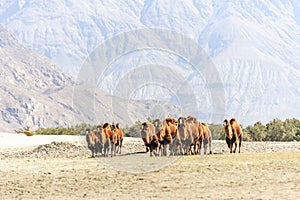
x,y
61,170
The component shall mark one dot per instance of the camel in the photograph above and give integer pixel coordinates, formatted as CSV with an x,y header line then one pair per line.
x,y
92,141
207,138
164,135
149,138
234,134
185,136
111,137
120,135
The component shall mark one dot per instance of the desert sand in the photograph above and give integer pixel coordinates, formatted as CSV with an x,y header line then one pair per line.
x,y
60,167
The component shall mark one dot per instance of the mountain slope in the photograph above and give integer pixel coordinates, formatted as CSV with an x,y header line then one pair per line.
x,y
22,66
35,92
25,76
253,44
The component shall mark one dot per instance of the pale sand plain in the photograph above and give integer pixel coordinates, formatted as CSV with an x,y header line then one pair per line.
x,y
64,170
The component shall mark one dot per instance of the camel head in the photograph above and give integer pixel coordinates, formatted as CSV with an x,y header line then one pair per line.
x,y
228,129
114,138
158,125
106,126
226,122
145,132
89,137
113,126
181,122
99,128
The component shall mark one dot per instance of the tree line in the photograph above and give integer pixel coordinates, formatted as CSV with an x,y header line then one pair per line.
x,y
275,130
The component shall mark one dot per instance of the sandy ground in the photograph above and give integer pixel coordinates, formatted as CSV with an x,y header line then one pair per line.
x,y
39,168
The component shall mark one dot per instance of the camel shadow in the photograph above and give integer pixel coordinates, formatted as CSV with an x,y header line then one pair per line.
x,y
133,153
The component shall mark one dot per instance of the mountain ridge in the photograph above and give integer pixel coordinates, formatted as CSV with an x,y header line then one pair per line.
x,y
253,45
35,92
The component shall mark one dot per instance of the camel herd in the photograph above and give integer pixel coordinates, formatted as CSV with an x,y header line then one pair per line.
x,y
104,138
182,136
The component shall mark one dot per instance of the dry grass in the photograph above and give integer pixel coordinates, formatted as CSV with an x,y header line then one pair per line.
x,y
247,176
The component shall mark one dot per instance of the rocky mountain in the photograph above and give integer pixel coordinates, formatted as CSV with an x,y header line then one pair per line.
x,y
21,66
35,92
25,77
253,44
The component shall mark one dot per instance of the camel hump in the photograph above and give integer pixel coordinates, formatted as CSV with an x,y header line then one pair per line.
x,y
204,123
233,120
105,125
190,116
144,124
156,120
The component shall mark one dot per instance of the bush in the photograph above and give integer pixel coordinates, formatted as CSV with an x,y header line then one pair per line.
x,y
77,130
275,130
133,131
217,131
257,132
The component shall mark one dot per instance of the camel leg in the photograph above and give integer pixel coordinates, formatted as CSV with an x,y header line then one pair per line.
x,y
181,150
101,149
235,146
240,144
173,148
228,142
195,146
117,148
200,147
210,151
190,150
205,141
121,146
106,148
113,150
165,149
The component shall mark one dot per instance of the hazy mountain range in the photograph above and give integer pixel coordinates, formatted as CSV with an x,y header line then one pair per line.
x,y
35,92
254,46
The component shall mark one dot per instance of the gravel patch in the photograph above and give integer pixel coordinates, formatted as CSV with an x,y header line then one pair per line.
x,y
133,146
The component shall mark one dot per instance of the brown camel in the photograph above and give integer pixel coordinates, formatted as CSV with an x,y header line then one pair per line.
x,y
92,141
234,134
120,135
149,138
207,138
111,137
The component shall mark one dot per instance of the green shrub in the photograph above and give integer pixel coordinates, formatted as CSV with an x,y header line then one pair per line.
x,y
134,130
275,130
